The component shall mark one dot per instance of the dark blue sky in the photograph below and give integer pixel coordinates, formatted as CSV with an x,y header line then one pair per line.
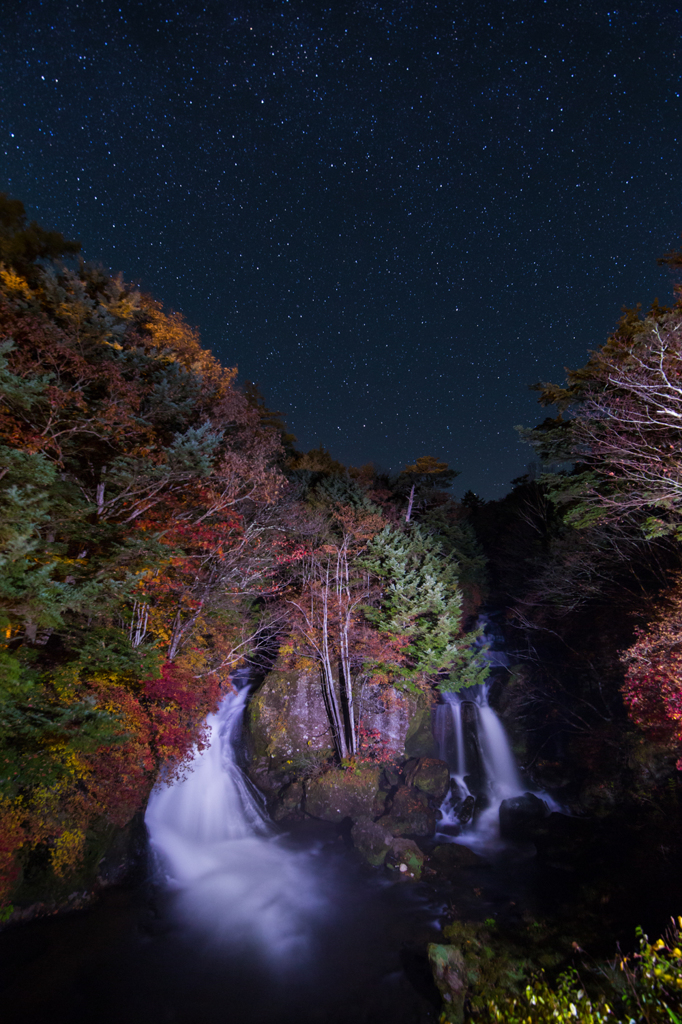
x,y
393,216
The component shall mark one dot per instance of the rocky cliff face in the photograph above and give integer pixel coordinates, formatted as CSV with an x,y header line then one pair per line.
x,y
287,723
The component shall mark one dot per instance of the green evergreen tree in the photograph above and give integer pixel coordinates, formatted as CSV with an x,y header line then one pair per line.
x,y
422,600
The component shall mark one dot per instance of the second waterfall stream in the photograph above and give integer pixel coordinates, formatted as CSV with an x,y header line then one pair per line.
x,y
483,771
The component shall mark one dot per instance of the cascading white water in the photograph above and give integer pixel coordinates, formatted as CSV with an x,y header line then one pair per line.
x,y
482,766
217,849
498,760
483,770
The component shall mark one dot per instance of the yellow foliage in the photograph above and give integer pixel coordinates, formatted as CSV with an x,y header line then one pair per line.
x,y
67,851
170,331
14,283
127,304
76,766
427,464
76,313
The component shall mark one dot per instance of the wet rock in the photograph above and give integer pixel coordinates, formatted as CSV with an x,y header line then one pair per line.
x,y
452,856
405,859
341,794
410,814
465,811
371,840
394,717
269,783
450,975
390,778
520,816
289,803
429,775
287,725
470,730
419,741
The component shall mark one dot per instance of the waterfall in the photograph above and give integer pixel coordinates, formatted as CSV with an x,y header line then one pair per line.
x,y
483,772
501,769
471,738
220,855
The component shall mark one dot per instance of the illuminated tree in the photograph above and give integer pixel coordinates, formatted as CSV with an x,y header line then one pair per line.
x,y
620,425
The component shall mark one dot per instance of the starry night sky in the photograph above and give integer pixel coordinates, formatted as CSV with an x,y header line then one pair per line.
x,y
393,216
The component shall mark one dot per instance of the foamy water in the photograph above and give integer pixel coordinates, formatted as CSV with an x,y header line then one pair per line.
x,y
215,847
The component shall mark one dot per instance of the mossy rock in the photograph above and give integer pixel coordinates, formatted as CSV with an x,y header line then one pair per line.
x,y
450,975
371,840
286,717
495,966
430,776
410,814
339,794
452,857
289,803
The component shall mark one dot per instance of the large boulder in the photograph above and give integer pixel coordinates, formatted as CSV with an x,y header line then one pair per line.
x,y
288,726
338,794
398,720
371,840
287,719
429,775
520,817
450,975
405,859
410,814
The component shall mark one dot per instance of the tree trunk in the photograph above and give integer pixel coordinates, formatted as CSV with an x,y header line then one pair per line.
x,y
410,503
331,699
343,597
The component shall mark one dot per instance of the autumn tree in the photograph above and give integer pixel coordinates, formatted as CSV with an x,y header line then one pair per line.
x,y
424,477
619,426
22,245
614,481
373,601
653,678
327,593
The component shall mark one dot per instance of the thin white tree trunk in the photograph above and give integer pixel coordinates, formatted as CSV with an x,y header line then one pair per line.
x,y
328,674
138,624
345,609
409,505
